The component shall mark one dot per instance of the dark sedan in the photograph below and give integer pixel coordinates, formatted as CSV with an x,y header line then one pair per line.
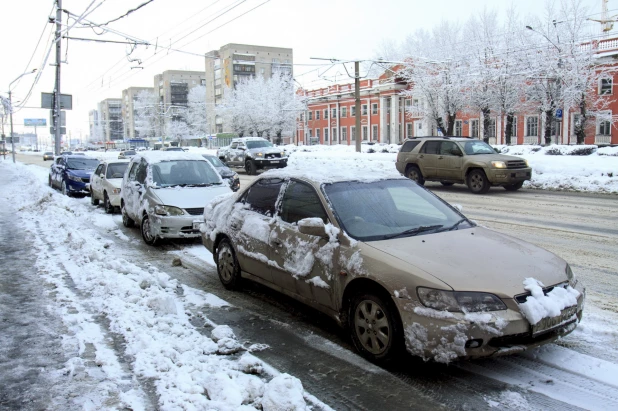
x,y
224,171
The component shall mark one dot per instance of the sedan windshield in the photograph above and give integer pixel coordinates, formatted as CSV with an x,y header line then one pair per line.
x,y
258,144
380,210
214,160
82,163
184,173
478,147
116,170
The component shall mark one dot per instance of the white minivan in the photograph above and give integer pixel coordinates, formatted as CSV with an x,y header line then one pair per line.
x,y
164,193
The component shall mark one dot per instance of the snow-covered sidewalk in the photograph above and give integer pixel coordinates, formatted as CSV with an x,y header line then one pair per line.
x,y
146,307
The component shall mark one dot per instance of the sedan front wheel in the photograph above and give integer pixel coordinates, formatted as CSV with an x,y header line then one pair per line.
x,y
375,327
147,235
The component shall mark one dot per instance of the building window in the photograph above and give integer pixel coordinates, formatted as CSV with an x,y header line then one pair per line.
x,y
365,133
604,126
513,127
326,133
344,133
491,130
325,114
374,132
374,109
334,134
334,113
310,134
555,128
317,114
310,115
458,127
605,86
317,133
353,133
532,126
302,117
474,128
364,110
353,111
344,112
409,130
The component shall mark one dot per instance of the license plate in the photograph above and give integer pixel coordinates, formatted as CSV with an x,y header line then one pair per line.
x,y
196,225
274,161
547,324
523,174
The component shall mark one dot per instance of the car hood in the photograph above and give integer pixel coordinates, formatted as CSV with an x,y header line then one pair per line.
x,y
494,157
189,197
225,171
477,259
81,173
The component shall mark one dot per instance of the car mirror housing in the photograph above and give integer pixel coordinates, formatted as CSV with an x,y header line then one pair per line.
x,y
312,226
456,152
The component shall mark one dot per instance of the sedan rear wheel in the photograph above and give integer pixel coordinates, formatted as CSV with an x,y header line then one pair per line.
x,y
147,235
250,168
93,201
375,327
227,265
126,220
109,208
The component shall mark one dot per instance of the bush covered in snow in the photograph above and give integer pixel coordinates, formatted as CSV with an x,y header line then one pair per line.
x,y
564,150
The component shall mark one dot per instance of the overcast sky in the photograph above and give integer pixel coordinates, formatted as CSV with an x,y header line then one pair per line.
x,y
352,29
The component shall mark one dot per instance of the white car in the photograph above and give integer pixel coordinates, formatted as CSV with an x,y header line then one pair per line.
x,y
165,192
105,184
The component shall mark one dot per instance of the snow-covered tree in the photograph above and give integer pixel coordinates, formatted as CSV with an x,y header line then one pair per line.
x,y
146,113
195,115
262,107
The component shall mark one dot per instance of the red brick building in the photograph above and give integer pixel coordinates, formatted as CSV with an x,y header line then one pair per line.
x,y
386,116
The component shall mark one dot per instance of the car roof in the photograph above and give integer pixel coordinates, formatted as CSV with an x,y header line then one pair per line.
x,y
158,156
317,172
112,160
234,140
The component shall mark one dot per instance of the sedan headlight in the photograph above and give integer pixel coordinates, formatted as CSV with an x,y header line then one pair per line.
x,y
498,164
235,176
74,178
283,154
459,301
168,210
259,154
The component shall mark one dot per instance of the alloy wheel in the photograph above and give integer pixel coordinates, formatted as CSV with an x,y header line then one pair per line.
x,y
371,327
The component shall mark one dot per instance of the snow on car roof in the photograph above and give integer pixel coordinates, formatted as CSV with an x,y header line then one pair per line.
x,y
330,167
158,156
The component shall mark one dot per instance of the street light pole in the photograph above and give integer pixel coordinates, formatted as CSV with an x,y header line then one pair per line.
x,y
11,111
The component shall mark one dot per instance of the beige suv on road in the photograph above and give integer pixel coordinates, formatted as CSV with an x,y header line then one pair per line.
x,y
461,160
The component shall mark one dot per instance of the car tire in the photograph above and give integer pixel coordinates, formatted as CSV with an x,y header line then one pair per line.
x,y
446,183
109,208
228,267
414,174
478,182
250,167
371,313
126,220
147,235
93,201
514,187
64,189
50,182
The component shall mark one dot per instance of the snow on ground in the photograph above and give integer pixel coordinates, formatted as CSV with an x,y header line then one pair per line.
x,y
147,308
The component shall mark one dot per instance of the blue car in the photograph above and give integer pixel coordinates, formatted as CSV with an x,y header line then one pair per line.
x,y
71,174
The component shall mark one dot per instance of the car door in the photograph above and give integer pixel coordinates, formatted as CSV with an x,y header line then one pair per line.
x,y
428,159
449,163
252,226
58,172
130,190
96,181
304,263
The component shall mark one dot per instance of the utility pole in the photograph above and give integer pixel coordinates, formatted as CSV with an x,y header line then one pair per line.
x,y
357,105
11,119
57,89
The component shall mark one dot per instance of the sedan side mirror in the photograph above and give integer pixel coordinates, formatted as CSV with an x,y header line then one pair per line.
x,y
102,175
312,226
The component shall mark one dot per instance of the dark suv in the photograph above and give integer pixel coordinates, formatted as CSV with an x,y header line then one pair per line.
x,y
461,160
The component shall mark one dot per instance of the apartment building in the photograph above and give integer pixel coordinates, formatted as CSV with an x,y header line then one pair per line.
x,y
111,119
232,63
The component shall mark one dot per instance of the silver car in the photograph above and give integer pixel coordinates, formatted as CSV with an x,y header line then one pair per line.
x,y
165,194
105,184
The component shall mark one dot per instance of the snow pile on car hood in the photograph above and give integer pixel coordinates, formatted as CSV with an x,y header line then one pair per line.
x,y
540,305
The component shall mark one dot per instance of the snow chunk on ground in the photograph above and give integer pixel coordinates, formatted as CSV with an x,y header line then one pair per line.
x,y
539,306
284,393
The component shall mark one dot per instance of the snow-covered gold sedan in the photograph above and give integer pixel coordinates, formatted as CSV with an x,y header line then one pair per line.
x,y
392,262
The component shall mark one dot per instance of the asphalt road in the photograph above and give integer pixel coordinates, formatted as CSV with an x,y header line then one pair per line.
x,y
579,227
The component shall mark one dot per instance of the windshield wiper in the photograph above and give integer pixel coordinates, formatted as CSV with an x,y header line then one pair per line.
x,y
413,231
454,226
